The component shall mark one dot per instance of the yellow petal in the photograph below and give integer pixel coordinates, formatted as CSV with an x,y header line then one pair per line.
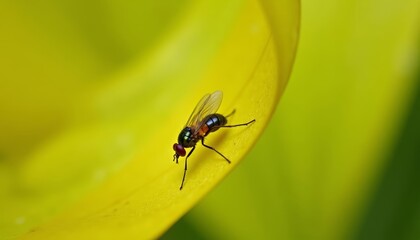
x,y
104,167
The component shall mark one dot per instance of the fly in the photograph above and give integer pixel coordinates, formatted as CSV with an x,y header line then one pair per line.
x,y
203,120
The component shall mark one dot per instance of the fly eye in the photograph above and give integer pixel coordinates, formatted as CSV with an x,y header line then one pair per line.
x,y
179,149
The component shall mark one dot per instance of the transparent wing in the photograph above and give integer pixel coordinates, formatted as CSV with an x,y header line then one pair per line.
x,y
207,105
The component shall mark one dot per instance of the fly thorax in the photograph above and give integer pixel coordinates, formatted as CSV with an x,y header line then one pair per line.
x,y
185,138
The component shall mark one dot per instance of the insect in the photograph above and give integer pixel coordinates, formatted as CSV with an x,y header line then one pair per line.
x,y
203,120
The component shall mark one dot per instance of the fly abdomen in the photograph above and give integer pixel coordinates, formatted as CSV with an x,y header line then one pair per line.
x,y
214,122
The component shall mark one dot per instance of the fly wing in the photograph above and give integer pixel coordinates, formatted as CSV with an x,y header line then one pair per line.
x,y
207,105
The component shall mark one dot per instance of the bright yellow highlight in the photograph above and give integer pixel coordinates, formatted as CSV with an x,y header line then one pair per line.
x,y
88,126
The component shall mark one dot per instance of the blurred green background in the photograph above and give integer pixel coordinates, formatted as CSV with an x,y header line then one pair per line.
x,y
340,159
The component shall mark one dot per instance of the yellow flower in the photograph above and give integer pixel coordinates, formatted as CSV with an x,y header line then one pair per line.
x,y
94,95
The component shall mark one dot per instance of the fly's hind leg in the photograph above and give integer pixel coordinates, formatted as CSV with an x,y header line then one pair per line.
x,y
230,114
238,125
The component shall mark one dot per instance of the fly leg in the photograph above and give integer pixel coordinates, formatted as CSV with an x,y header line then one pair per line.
x,y
238,125
185,168
207,146
230,114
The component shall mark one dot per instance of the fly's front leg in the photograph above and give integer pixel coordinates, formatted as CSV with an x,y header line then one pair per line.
x,y
185,168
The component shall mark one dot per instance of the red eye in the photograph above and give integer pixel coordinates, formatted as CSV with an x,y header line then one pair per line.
x,y
179,149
